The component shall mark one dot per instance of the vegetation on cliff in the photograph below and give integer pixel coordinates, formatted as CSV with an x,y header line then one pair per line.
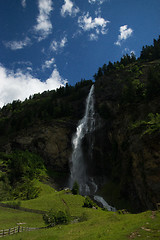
x,y
18,172
127,97
61,103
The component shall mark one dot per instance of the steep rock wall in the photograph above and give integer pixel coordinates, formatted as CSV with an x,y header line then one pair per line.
x,y
129,160
51,141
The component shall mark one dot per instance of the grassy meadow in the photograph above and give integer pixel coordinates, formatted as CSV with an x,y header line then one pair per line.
x,y
97,224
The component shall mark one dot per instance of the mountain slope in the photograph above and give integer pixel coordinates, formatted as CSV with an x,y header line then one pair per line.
x,y
126,153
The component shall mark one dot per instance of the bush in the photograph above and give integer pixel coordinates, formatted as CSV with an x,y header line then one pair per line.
x,y
89,203
49,218
61,217
18,170
75,189
149,126
26,190
52,218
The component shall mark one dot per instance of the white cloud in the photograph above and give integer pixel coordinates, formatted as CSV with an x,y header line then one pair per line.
x,y
97,1
63,42
44,25
56,46
16,45
98,11
48,63
87,23
29,69
98,24
77,33
93,37
23,2
69,8
128,51
19,85
125,33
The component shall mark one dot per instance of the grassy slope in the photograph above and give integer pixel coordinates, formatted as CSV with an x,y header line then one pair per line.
x,y
49,198
10,217
100,224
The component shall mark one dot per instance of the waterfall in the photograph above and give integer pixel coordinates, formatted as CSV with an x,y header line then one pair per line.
x,y
104,203
78,166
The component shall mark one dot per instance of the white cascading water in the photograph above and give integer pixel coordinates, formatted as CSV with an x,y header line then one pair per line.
x,y
78,169
104,203
78,166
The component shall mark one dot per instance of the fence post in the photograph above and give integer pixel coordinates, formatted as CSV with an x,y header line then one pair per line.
x,y
9,231
3,232
18,229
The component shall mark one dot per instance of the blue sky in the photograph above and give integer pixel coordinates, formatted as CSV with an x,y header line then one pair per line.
x,y
46,43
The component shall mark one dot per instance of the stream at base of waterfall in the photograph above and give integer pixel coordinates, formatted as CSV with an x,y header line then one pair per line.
x,y
78,167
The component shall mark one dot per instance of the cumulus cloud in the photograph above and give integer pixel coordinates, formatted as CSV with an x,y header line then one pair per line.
x,y
58,45
23,2
97,1
16,45
125,33
48,63
19,85
69,8
98,24
44,25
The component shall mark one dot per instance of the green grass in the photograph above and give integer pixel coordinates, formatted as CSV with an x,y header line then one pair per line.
x,y
99,224
50,198
10,217
102,225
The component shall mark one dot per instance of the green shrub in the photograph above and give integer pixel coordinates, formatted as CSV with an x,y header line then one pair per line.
x,y
25,190
61,217
89,203
52,218
75,189
49,218
18,170
149,126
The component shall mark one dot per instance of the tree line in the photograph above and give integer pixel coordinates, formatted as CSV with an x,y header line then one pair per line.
x,y
148,53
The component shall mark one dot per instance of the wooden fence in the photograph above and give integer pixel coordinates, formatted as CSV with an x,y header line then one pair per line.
x,y
14,230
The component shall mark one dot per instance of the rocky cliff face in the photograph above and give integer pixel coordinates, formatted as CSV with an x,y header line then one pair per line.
x,y
135,165
52,142
128,158
44,124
